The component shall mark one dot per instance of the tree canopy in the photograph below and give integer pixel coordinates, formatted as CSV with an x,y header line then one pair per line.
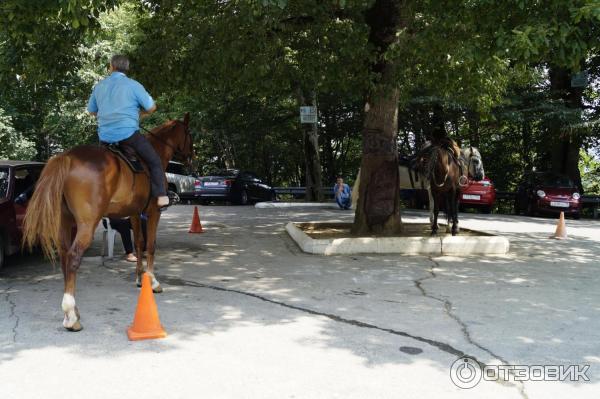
x,y
496,75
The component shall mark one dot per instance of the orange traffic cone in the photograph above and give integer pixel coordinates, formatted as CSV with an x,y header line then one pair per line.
x,y
196,226
561,228
146,324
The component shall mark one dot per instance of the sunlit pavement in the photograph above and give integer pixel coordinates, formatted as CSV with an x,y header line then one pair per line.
x,y
250,316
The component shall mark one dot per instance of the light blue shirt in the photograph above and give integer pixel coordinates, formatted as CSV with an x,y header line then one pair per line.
x,y
117,99
345,191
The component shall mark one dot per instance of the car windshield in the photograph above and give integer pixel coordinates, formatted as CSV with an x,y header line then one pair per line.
x,y
224,172
3,183
552,180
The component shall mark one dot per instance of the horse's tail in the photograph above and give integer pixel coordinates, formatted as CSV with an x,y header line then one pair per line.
x,y
43,217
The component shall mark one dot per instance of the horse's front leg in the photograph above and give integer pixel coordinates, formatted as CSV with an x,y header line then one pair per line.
x,y
151,229
138,239
431,200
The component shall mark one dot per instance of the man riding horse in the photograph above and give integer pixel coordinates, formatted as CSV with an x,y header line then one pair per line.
x,y
116,102
79,186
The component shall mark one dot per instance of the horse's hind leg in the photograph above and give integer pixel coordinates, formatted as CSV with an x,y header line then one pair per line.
x,y
455,199
83,239
136,225
436,211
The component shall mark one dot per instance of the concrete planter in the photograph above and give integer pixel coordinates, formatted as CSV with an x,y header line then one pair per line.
x,y
471,243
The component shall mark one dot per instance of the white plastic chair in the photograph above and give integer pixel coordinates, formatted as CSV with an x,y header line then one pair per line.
x,y
108,240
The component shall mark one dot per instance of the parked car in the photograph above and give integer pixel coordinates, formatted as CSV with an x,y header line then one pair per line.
x,y
17,182
547,192
478,194
239,187
181,182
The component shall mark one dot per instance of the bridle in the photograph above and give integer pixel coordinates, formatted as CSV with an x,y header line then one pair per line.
x,y
176,151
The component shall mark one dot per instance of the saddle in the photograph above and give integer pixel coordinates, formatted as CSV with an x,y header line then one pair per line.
x,y
128,155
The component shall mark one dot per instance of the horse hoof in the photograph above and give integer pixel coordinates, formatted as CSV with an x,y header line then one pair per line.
x,y
139,285
75,327
157,290
434,233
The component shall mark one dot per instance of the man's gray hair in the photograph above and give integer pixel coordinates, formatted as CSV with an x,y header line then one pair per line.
x,y
120,62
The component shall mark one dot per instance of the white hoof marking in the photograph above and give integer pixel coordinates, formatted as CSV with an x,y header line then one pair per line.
x,y
155,282
68,306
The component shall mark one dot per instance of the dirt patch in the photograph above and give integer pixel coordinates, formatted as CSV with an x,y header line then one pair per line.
x,y
342,230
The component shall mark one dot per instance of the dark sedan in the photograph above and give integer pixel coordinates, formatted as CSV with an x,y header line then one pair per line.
x,y
239,187
17,181
546,192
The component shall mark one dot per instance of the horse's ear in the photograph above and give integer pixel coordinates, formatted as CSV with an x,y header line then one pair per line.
x,y
186,119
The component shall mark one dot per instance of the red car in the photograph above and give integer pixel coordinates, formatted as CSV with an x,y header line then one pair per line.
x,y
17,181
546,192
480,194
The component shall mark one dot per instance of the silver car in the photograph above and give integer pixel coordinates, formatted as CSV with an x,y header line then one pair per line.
x,y
180,182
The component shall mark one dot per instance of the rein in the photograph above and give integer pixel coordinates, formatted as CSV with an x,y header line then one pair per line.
x,y
176,151
432,164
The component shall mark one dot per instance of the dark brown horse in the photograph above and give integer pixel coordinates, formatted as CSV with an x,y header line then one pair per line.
x,y
441,164
77,188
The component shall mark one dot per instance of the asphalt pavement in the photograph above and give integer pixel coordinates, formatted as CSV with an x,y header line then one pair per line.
x,y
249,315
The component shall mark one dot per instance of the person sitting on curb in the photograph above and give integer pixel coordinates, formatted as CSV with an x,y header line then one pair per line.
x,y
342,193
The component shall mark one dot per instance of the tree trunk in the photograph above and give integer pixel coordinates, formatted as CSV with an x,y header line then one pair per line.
x,y
311,154
378,207
565,144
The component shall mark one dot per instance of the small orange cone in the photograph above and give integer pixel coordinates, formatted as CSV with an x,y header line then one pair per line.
x,y
196,226
561,228
146,324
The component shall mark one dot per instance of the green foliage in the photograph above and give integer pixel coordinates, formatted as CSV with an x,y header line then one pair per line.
x,y
589,166
242,68
14,146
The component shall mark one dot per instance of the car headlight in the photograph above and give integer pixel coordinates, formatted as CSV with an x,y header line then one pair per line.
x,y
576,196
541,193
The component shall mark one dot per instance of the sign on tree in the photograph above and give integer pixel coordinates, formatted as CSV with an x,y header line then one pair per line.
x,y
308,114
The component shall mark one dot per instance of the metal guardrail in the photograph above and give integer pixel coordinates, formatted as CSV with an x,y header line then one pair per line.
x,y
590,200
587,201
505,195
299,192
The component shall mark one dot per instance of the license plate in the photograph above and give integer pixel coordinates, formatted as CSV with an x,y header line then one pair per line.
x,y
559,204
211,183
471,197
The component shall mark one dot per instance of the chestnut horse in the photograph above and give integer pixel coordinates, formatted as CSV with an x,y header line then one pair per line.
x,y
78,187
441,163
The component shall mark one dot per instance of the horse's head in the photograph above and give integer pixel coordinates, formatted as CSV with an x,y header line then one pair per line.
x,y
472,159
183,142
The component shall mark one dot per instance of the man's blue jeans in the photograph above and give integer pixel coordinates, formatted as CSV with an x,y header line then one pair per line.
x,y
343,202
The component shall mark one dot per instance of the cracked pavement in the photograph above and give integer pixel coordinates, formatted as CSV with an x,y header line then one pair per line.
x,y
249,315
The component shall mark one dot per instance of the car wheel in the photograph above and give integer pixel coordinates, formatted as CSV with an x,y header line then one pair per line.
x,y
244,197
1,251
